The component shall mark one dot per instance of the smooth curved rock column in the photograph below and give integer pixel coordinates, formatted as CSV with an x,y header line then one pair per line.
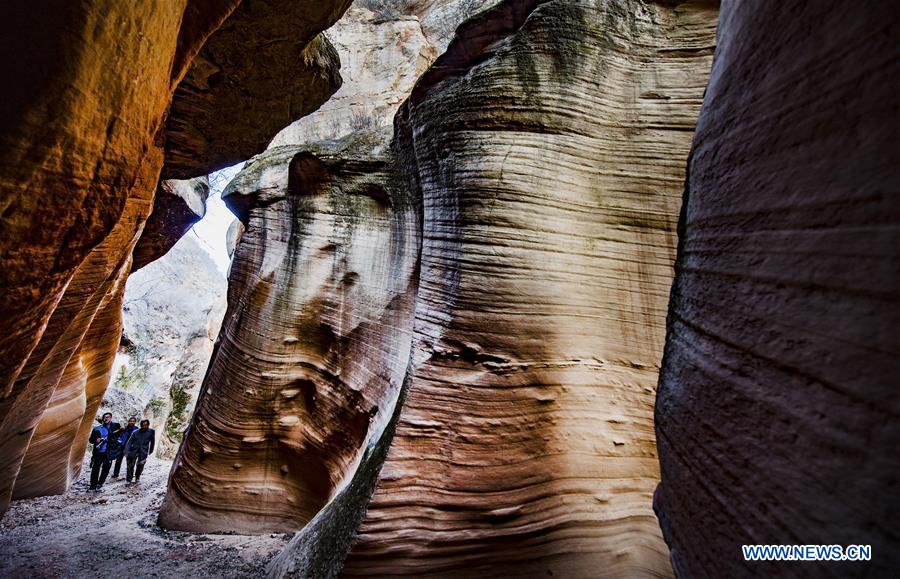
x,y
778,418
549,143
315,344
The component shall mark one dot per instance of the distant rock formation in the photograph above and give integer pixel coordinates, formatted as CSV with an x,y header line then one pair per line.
x,y
778,415
384,47
172,312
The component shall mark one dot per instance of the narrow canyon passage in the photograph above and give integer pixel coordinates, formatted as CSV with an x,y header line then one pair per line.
x,y
58,535
451,288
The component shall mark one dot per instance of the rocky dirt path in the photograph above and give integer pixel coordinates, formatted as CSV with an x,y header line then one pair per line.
x,y
113,533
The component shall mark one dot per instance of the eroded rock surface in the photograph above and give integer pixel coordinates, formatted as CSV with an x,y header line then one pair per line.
x,y
177,206
549,145
77,136
777,413
83,148
263,69
315,342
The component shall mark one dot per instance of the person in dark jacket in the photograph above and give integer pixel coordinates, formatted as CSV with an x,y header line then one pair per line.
x,y
99,439
140,445
121,442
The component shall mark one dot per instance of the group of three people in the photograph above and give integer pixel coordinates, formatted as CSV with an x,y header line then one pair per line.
x,y
112,442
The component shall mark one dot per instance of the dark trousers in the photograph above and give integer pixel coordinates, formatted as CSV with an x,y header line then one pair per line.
x,y
132,462
118,465
99,469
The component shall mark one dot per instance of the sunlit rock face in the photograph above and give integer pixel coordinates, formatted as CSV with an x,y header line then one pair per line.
x,y
384,47
57,447
84,141
77,137
549,147
777,408
315,342
65,360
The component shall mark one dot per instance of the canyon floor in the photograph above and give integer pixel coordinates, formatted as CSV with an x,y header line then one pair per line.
x,y
113,533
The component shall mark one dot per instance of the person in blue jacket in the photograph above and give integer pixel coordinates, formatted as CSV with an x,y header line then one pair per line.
x,y
99,438
119,453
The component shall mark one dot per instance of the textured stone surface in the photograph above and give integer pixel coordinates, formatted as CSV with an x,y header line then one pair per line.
x,y
71,123
315,343
264,68
384,47
83,150
777,413
77,135
177,206
550,143
63,382
78,123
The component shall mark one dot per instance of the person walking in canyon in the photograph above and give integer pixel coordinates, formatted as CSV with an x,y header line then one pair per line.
x,y
140,445
122,440
99,439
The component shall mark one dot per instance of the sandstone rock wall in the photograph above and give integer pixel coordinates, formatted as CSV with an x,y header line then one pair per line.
x,y
384,47
77,141
777,412
78,126
315,342
550,143
177,206
83,141
66,361
57,447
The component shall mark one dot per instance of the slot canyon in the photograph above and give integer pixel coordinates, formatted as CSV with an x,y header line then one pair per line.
x,y
451,288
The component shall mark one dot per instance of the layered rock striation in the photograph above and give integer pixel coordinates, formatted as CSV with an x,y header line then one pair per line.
x,y
544,154
777,412
84,141
315,342
548,146
78,142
